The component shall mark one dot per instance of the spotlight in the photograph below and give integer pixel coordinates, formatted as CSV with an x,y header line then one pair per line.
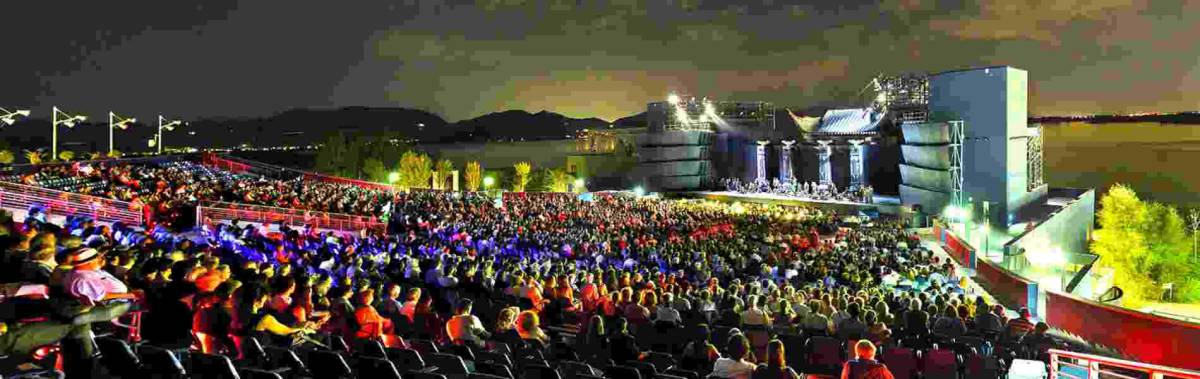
x,y
673,99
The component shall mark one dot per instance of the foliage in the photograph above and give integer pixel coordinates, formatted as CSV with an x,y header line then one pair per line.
x,y
33,156
1147,246
473,176
374,170
6,157
444,169
345,154
114,154
66,155
416,169
95,155
540,181
560,180
521,175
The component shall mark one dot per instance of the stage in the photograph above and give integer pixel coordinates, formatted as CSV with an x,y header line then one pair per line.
x,y
883,204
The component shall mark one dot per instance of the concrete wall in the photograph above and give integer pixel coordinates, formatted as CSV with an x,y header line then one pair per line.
x,y
1068,230
931,202
927,156
992,104
937,180
926,133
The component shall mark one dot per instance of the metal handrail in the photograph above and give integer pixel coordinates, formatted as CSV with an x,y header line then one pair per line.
x,y
1093,364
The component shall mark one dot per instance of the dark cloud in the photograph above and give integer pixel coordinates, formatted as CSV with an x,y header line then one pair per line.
x,y
594,58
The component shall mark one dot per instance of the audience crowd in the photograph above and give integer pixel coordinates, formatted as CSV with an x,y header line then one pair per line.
x,y
733,291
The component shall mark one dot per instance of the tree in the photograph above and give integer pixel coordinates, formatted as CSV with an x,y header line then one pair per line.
x,y
521,178
6,157
66,155
95,155
542,180
1121,244
560,180
415,170
114,154
473,175
33,156
444,169
374,170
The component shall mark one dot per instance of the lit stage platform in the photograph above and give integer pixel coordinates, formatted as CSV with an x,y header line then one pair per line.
x,y
883,204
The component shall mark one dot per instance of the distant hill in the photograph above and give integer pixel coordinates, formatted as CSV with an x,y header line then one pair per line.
x,y
519,124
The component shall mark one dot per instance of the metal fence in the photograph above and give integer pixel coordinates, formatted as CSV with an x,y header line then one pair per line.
x,y
1067,364
210,212
58,203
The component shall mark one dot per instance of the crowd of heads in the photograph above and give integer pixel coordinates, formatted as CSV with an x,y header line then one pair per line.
x,y
456,267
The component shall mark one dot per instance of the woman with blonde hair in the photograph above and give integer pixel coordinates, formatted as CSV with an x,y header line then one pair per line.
x,y
506,327
529,328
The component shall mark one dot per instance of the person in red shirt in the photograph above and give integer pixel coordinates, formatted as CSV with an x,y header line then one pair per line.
x,y
371,325
864,366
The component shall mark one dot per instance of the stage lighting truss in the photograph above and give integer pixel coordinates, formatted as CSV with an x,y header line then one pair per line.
x,y
692,115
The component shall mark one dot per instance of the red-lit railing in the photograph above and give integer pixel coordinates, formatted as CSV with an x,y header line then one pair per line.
x,y
219,211
314,177
1067,364
58,203
1143,336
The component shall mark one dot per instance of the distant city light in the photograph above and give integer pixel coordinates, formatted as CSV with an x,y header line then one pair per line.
x,y
488,181
393,177
639,191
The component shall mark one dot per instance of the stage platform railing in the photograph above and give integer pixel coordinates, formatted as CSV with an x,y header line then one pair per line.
x,y
1072,365
20,197
210,212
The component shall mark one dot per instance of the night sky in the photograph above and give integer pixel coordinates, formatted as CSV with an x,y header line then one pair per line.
x,y
580,58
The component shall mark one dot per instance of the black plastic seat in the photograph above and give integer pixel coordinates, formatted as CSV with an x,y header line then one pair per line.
x,y
369,348
118,358
328,364
477,375
449,364
539,372
493,368
622,372
406,359
423,375
376,368
253,373
494,357
213,366
161,363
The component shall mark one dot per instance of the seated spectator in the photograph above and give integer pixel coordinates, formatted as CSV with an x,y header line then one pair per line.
x,y
1020,326
253,319
949,325
506,327
465,327
986,320
410,302
852,327
666,313
528,326
700,353
755,315
1037,344
622,346
738,364
371,325
594,341
816,322
776,366
877,331
38,266
864,366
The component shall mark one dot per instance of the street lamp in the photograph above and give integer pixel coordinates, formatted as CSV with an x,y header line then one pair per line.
x,y
578,183
168,126
68,120
118,123
488,182
9,118
639,191
393,177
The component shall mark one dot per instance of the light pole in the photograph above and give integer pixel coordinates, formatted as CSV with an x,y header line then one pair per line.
x,y
119,123
168,126
69,121
9,118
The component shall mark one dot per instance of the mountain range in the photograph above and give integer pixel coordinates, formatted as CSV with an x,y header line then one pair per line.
x,y
299,127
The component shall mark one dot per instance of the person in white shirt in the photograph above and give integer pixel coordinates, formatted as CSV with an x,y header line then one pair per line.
x,y
756,315
738,365
465,327
665,313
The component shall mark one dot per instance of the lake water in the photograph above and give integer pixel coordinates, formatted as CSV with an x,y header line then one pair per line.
x,y
1160,161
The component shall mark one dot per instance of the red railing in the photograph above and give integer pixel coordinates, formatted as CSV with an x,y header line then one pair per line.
x,y
1067,364
1150,338
219,211
219,162
21,197
1011,289
315,177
